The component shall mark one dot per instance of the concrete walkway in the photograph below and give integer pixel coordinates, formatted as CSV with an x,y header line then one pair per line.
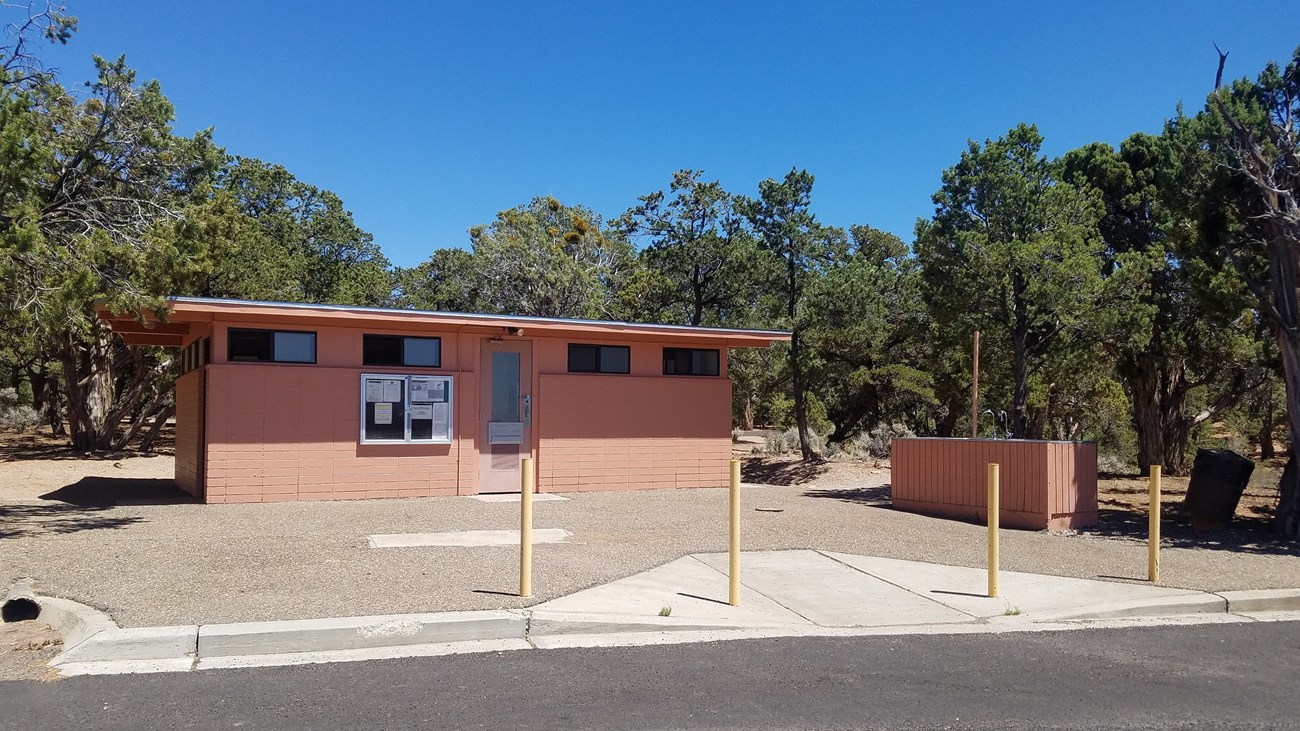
x,y
784,593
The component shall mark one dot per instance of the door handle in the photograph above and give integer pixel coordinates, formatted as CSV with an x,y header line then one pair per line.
x,y
528,408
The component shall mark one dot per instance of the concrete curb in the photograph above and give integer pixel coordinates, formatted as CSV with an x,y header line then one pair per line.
x,y
1155,607
355,633
1262,600
74,622
135,643
95,644
544,623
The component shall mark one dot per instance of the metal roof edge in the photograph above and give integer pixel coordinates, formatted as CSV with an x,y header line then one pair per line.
x,y
486,317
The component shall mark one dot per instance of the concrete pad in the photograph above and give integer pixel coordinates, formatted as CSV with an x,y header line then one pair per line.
x,y
470,538
137,643
697,594
513,497
830,593
1032,595
351,633
1262,600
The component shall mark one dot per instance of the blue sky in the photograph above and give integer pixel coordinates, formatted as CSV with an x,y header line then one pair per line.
x,y
428,118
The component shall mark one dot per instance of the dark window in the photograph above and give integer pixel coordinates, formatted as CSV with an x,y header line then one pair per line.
x,y
194,355
280,346
401,351
599,359
690,362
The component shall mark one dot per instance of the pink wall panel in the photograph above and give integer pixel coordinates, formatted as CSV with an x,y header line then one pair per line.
x,y
601,432
189,398
291,433
1043,484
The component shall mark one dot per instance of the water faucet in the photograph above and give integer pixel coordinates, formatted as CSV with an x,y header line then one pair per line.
x,y
995,422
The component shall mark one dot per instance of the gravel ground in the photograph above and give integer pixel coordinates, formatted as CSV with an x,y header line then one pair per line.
x,y
157,564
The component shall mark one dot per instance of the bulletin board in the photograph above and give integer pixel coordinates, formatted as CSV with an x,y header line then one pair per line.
x,y
406,409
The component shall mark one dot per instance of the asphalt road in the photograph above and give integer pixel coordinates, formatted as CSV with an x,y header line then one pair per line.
x,y
1207,676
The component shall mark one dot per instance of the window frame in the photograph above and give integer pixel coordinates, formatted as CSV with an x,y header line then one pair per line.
x,y
598,370
405,378
718,362
403,339
315,346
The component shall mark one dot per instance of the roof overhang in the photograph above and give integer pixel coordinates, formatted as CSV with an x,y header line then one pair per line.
x,y
147,328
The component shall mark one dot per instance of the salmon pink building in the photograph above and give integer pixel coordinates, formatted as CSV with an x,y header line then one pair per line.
x,y
316,402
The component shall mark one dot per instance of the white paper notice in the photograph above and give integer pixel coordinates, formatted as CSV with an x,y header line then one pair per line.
x,y
441,420
438,391
393,391
374,391
420,391
421,411
383,413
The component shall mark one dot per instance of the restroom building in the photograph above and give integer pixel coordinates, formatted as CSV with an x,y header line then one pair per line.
x,y
280,401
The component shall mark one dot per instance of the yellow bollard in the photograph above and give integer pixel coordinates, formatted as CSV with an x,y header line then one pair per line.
x,y
1153,526
733,569
995,507
526,529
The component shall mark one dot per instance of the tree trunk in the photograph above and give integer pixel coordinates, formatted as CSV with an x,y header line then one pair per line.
x,y
1287,518
1157,390
1283,266
697,296
146,444
1020,385
800,399
163,402
747,414
1269,424
51,401
89,385
1265,438
955,407
796,361
1019,357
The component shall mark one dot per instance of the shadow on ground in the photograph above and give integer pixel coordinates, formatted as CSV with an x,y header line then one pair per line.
x,y
102,492
16,451
786,472
877,495
25,521
42,445
86,505
1251,533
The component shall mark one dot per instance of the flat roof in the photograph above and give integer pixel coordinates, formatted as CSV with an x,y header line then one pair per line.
x,y
148,329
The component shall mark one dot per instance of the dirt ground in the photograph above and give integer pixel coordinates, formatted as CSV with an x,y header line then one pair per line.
x,y
1126,492
25,650
36,464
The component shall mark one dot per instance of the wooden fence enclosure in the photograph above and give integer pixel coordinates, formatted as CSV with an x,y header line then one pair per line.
x,y
1044,485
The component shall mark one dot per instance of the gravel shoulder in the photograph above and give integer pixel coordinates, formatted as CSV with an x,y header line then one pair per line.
x,y
158,562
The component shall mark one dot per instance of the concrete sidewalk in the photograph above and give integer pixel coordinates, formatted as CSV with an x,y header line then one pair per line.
x,y
784,593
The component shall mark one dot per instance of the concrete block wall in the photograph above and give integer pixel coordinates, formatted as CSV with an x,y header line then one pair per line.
x,y
278,432
189,444
616,432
